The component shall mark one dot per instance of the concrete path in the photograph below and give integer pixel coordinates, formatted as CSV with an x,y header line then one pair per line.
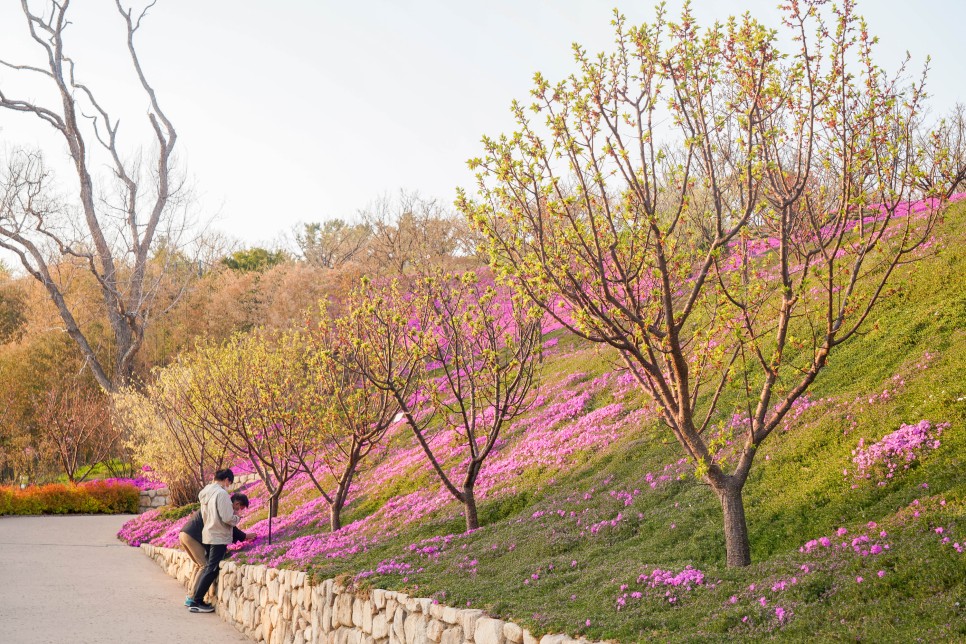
x,y
69,580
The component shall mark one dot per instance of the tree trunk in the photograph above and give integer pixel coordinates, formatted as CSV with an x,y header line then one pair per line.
x,y
737,546
469,509
335,516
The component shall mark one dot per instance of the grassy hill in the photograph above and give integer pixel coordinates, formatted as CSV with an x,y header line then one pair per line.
x,y
593,525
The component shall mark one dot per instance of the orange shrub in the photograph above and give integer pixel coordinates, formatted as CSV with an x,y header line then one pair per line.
x,y
96,497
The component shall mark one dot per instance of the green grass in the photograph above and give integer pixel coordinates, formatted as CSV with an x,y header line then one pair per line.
x,y
797,491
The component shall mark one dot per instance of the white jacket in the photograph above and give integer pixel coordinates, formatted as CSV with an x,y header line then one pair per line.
x,y
218,515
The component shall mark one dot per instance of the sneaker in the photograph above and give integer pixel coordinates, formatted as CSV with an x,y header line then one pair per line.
x,y
188,601
201,607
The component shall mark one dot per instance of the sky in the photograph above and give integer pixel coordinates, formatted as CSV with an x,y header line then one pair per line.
x,y
305,110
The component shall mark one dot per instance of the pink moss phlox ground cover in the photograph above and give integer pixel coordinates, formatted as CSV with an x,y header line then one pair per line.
x,y
896,451
140,482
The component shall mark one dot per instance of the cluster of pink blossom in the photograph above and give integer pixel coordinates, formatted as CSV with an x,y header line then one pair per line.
x,y
862,545
673,583
896,450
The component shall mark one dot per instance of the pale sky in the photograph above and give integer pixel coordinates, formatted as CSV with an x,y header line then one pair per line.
x,y
305,110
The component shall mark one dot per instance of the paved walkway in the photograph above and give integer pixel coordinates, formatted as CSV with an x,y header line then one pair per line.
x,y
69,580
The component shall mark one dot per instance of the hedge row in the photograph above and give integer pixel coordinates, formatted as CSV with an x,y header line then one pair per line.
x,y
96,497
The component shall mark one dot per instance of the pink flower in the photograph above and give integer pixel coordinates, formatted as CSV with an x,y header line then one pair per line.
x,y
859,580
881,574
587,623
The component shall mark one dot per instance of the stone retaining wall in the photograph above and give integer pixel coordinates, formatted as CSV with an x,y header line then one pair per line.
x,y
282,607
152,499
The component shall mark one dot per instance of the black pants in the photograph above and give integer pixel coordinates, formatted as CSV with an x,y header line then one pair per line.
x,y
214,555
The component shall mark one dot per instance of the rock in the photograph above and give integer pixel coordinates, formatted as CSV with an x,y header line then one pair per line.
x,y
380,627
325,622
468,618
452,635
379,598
398,625
367,617
513,633
434,630
415,628
357,612
553,639
488,631
451,615
343,609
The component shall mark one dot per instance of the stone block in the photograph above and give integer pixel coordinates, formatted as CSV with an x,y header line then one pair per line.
x,y
379,598
357,612
398,625
513,633
452,635
488,631
434,630
553,639
468,619
451,615
380,626
325,618
344,609
367,618
415,628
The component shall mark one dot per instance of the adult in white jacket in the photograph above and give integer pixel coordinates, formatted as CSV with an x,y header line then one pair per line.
x,y
219,517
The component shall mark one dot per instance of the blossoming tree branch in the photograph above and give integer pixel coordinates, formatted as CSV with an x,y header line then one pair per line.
x,y
722,211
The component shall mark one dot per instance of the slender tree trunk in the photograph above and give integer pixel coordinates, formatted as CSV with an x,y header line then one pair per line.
x,y
737,546
335,517
469,508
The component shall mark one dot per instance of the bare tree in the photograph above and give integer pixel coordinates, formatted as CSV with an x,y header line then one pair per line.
x,y
76,429
117,225
410,231
332,243
945,145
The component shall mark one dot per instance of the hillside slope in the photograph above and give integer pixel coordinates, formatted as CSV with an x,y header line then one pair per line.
x,y
593,525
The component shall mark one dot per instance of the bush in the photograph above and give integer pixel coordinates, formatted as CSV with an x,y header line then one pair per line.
x,y
96,497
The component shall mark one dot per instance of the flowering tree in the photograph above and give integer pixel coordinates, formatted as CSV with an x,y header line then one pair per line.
x,y
245,392
722,213
163,433
351,415
481,349
482,346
